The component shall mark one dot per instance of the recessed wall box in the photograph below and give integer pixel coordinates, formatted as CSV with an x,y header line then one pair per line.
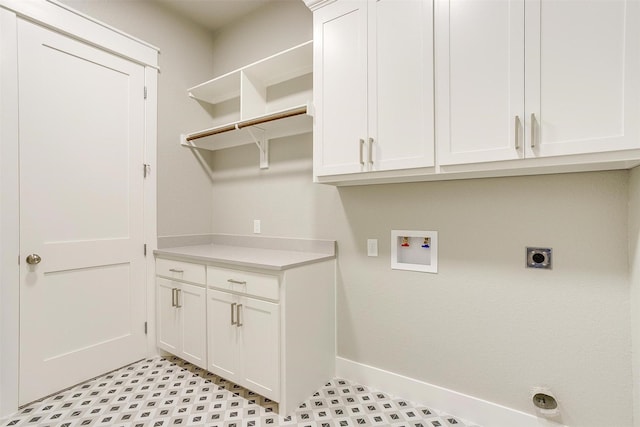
x,y
539,258
414,250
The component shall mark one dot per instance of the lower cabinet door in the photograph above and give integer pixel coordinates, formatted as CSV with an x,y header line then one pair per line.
x,y
168,317
192,303
260,346
223,335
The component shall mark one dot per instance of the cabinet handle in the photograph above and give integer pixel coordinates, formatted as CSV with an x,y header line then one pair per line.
x,y
516,127
237,282
239,323
233,306
533,130
371,151
175,270
173,297
178,293
361,150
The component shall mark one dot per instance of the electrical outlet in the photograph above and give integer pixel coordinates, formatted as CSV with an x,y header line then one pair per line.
x,y
372,247
256,226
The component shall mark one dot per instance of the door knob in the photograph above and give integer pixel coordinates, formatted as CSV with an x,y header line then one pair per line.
x,y
33,259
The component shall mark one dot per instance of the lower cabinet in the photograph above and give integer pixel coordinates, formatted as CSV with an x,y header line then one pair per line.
x,y
182,320
244,341
269,331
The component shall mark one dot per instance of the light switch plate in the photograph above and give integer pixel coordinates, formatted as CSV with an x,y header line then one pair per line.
x,y
372,247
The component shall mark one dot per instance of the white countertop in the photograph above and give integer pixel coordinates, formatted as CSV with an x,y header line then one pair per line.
x,y
243,256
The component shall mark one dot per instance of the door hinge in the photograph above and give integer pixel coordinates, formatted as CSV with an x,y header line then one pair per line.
x,y
145,328
146,169
145,92
145,249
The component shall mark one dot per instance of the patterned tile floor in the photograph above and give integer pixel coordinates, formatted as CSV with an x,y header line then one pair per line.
x,y
166,392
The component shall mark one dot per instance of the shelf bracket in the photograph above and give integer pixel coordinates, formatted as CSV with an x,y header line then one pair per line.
x,y
263,145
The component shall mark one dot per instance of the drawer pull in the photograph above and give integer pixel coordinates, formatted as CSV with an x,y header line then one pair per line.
x,y
233,306
175,270
238,323
237,282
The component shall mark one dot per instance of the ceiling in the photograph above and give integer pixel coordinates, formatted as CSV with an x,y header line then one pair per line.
x,y
213,14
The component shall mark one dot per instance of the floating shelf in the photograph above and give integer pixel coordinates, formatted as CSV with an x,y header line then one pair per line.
x,y
274,101
269,71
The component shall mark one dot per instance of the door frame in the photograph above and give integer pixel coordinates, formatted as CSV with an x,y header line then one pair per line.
x,y
51,14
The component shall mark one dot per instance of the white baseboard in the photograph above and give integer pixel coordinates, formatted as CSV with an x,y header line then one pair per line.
x,y
472,409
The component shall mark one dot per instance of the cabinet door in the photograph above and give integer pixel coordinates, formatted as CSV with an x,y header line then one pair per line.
x,y
582,76
192,305
223,335
260,328
340,87
168,333
401,95
479,80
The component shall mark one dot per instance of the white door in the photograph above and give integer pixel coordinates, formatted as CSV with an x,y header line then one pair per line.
x,y
479,80
582,76
340,76
222,335
260,346
81,123
192,302
401,116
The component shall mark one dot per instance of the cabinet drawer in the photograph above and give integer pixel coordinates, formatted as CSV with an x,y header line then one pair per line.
x,y
256,284
195,273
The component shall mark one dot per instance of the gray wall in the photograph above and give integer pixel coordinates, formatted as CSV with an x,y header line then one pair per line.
x,y
484,325
185,61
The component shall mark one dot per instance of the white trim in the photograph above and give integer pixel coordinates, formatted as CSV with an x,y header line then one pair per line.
x,y
441,399
79,26
150,201
317,4
9,215
103,24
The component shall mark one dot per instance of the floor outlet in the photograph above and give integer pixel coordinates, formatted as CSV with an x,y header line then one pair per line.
x,y
372,247
256,226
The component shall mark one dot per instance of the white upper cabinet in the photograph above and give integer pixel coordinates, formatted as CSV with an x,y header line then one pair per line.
x,y
532,79
480,80
401,118
373,83
340,87
496,87
582,76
